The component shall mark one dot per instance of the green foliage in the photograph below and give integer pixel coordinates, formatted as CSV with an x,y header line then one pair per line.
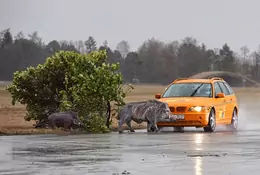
x,y
95,124
70,81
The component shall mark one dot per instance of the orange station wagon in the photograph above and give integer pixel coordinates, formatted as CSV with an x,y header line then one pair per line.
x,y
200,103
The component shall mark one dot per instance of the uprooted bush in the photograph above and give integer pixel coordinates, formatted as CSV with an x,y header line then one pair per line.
x,y
70,81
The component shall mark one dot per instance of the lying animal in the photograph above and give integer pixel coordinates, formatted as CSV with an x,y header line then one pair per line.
x,y
146,111
67,120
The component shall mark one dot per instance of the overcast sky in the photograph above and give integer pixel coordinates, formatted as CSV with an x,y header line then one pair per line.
x,y
213,22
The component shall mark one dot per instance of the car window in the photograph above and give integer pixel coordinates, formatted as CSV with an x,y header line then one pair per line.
x,y
217,88
224,88
189,90
228,88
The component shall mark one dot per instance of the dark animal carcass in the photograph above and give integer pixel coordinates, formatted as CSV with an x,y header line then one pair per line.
x,y
149,111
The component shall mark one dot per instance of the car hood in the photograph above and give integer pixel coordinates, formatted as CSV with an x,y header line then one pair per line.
x,y
186,101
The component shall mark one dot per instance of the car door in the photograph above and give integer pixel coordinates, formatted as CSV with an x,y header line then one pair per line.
x,y
218,103
231,98
227,104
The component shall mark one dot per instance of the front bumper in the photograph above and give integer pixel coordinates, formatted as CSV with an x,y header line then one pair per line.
x,y
190,120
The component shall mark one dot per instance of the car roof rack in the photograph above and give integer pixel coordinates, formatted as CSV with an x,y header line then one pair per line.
x,y
177,79
216,78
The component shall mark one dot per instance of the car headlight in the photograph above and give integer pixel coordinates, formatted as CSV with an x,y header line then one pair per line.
x,y
198,108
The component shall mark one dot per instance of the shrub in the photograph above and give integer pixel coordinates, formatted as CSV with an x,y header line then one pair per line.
x,y
69,81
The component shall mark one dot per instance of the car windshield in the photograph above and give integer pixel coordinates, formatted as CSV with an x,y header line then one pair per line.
x,y
189,90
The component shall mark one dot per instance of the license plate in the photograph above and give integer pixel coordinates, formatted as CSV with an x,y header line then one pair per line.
x,y
179,116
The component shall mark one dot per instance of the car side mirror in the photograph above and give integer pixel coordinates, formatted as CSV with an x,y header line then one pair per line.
x,y
157,96
220,95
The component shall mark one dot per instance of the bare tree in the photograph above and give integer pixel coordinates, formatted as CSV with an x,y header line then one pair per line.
x,y
80,46
19,36
244,52
34,37
123,47
105,44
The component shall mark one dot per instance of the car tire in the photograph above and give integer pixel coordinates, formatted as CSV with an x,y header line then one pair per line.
x,y
234,121
178,129
212,122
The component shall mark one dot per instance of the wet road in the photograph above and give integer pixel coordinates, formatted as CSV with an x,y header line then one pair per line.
x,y
192,152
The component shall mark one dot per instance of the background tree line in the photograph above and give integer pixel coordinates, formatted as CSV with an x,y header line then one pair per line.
x,y
153,62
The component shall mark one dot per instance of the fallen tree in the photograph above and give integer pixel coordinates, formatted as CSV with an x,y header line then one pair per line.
x,y
84,83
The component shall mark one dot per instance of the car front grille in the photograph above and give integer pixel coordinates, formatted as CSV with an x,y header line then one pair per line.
x,y
172,109
178,109
181,109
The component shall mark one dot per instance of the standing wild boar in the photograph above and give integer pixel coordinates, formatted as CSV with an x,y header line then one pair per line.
x,y
67,120
149,111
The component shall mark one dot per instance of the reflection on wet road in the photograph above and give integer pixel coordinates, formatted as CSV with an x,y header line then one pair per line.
x,y
192,152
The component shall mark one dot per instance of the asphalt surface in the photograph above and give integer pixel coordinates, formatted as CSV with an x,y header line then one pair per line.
x,y
192,152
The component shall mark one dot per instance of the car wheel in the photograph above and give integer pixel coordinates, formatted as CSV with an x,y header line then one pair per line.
x,y
178,129
234,121
212,122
